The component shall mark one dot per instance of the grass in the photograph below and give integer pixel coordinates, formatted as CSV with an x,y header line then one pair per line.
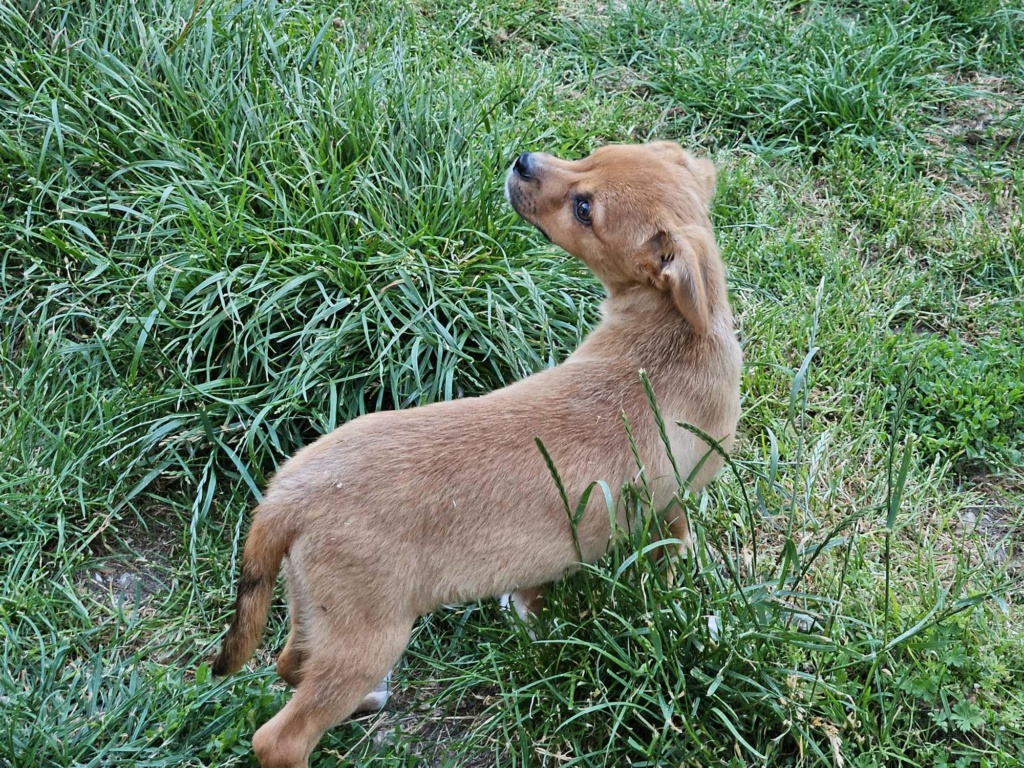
x,y
226,228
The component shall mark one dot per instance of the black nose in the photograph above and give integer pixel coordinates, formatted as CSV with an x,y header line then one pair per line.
x,y
523,165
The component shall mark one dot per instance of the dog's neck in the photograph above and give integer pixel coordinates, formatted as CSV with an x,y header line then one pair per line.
x,y
648,310
641,322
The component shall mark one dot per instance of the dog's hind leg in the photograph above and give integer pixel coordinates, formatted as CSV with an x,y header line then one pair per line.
x,y
337,675
289,663
375,700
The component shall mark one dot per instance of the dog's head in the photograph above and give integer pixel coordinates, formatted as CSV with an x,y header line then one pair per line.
x,y
634,214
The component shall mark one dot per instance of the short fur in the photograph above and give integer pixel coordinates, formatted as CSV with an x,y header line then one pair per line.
x,y
397,513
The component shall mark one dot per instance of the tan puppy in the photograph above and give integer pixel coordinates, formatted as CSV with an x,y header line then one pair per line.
x,y
397,513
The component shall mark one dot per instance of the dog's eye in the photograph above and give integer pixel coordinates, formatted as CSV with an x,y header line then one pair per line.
x,y
583,210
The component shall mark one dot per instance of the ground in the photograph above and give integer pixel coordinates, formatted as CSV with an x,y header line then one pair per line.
x,y
226,228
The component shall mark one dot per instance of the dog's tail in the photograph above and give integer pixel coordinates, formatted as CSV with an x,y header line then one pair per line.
x,y
268,541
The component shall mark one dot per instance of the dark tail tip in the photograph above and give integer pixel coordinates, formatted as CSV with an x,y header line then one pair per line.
x,y
246,624
220,667
224,664
264,549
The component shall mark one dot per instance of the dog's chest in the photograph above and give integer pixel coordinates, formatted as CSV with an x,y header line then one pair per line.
x,y
677,456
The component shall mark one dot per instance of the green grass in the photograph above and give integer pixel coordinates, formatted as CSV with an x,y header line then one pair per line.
x,y
226,228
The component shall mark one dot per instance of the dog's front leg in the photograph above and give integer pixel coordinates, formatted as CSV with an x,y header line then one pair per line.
x,y
679,528
527,602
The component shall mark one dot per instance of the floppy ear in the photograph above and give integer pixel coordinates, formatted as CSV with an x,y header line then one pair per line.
x,y
704,172
671,147
673,262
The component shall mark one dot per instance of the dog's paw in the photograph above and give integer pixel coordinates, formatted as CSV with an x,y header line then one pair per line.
x,y
375,700
508,602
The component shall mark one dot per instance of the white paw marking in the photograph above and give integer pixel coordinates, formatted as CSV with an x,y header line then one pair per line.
x,y
508,600
378,697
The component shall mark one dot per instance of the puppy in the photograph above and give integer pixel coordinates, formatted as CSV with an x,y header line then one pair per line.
x,y
397,513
